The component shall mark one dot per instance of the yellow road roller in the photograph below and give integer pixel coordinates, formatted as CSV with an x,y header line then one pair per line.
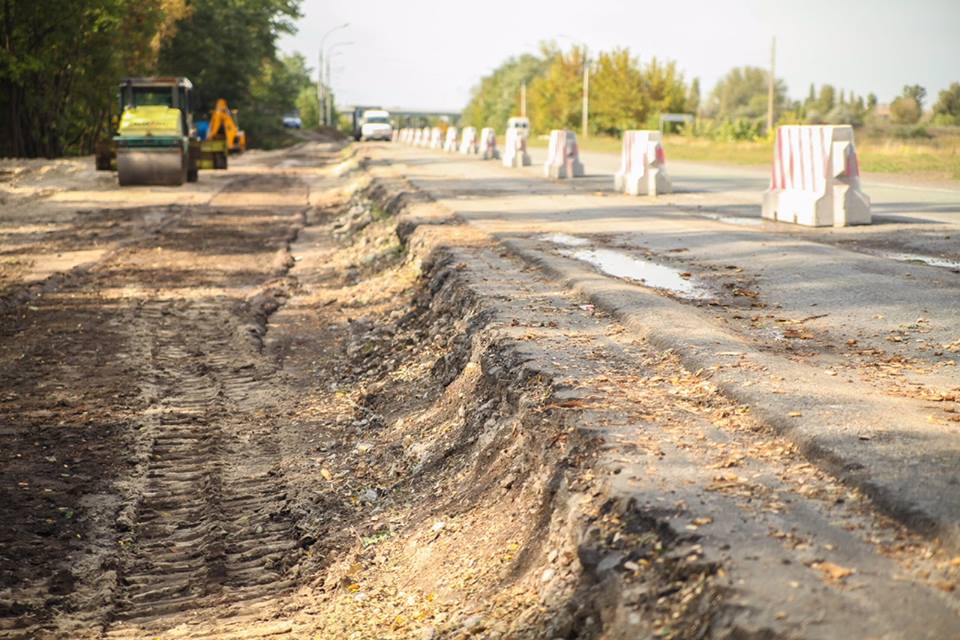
x,y
155,143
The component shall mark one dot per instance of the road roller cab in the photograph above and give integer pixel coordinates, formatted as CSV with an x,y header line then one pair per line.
x,y
155,142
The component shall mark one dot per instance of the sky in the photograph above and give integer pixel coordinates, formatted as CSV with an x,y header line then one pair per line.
x,y
428,54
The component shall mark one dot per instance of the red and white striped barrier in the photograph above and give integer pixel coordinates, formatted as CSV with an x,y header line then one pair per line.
x,y
515,149
488,144
436,138
563,156
415,140
405,135
425,137
468,140
643,165
395,135
450,141
816,178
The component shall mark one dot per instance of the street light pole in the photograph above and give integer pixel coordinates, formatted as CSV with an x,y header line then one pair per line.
x,y
328,103
586,93
321,89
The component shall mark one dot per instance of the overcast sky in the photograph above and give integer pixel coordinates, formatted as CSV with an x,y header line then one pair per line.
x,y
429,53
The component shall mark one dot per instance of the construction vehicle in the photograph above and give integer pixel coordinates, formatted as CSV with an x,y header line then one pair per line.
x,y
220,136
155,142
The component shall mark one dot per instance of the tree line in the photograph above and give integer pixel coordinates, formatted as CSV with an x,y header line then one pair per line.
x,y
627,93
60,63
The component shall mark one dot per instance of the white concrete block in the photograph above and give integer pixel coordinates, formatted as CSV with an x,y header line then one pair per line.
x,y
816,178
488,144
643,169
563,156
468,140
450,140
515,149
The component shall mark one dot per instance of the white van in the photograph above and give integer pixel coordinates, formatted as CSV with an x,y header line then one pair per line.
x,y
376,125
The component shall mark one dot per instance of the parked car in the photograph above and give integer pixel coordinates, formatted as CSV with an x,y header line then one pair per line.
x,y
292,121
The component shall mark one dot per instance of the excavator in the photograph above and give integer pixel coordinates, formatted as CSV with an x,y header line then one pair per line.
x,y
155,143
220,137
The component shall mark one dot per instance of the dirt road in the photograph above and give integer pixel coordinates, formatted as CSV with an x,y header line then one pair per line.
x,y
303,398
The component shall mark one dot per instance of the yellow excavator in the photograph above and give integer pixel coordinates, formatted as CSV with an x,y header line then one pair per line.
x,y
221,136
155,142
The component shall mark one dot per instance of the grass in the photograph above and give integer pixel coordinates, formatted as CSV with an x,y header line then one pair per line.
x,y
879,152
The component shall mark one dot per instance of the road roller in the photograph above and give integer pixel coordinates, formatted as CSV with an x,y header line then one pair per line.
x,y
155,143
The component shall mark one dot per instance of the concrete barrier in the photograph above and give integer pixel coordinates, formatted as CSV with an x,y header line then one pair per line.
x,y
515,149
425,137
816,178
643,165
450,141
395,135
488,144
405,135
468,140
436,138
563,156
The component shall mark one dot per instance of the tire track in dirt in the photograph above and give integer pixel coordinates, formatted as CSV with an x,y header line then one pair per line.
x,y
211,538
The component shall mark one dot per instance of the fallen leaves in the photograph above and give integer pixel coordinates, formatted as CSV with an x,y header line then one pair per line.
x,y
833,572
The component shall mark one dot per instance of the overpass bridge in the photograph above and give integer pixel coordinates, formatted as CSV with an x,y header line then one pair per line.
x,y
406,117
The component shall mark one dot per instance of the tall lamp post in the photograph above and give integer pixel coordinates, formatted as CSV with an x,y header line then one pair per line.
x,y
321,90
328,106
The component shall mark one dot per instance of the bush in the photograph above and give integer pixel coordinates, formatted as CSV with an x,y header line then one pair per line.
x,y
905,110
912,133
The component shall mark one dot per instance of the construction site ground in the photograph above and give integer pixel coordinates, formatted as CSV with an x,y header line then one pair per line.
x,y
370,392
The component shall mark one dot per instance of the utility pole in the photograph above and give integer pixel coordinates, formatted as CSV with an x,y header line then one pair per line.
x,y
320,89
523,99
586,93
771,84
328,104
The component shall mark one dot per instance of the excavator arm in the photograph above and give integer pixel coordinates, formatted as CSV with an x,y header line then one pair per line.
x,y
221,120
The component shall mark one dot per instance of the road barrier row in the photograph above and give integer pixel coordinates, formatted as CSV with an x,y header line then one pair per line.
x,y
815,179
643,165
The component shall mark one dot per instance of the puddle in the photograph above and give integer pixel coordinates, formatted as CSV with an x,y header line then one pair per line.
x,y
928,260
743,222
648,273
564,239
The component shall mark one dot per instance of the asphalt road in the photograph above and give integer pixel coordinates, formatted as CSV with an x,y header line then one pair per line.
x,y
892,197
847,338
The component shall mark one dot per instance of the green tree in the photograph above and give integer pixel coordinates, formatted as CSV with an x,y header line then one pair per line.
x,y
742,94
222,46
273,93
947,108
618,99
916,92
497,96
60,63
555,97
905,110
693,97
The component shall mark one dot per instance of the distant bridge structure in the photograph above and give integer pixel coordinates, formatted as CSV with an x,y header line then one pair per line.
x,y
405,117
